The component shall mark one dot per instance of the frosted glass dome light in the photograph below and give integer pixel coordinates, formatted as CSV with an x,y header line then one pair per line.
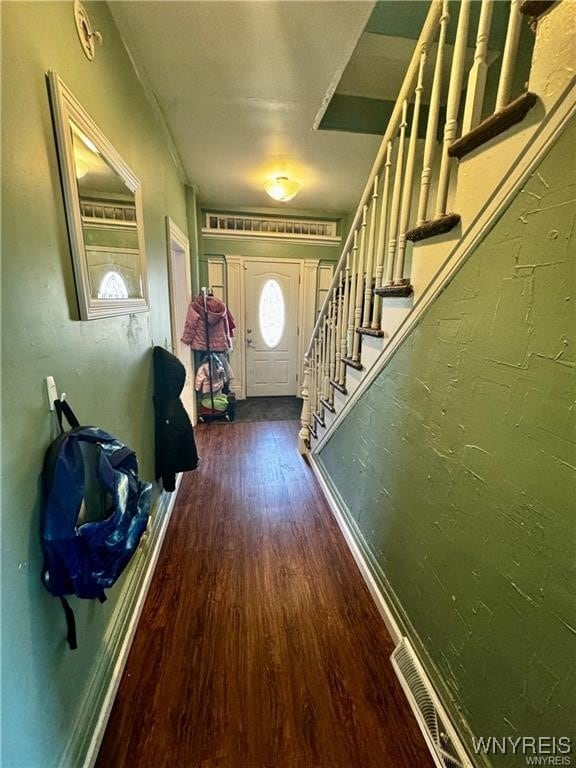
x,y
281,188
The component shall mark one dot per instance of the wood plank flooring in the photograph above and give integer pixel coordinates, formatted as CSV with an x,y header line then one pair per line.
x,y
259,645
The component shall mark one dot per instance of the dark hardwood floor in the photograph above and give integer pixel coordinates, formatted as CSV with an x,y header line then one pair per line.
x,y
259,645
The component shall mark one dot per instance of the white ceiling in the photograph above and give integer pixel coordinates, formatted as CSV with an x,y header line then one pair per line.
x,y
240,83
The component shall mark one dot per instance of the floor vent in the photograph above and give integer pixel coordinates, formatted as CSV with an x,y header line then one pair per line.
x,y
445,745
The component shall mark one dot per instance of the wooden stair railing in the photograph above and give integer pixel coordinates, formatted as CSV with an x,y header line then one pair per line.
x,y
372,266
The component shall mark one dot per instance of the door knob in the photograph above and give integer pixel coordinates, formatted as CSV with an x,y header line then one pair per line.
x,y
248,330
249,341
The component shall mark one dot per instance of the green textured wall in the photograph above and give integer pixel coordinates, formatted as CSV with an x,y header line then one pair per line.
x,y
457,471
103,365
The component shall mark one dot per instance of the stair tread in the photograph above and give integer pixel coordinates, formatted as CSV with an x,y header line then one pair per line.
x,y
319,420
535,8
342,389
328,405
494,125
395,291
377,333
353,363
433,227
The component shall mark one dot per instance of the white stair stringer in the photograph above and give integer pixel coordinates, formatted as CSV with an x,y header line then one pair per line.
x,y
399,321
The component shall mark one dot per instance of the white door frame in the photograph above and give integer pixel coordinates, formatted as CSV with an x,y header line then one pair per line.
x,y
174,235
237,303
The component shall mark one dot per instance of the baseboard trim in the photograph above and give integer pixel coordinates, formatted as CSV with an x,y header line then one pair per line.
x,y
379,599
82,749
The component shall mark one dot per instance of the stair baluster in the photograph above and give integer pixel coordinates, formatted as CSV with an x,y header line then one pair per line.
x,y
380,247
399,278
395,211
318,375
477,77
337,338
509,55
360,277
344,324
312,385
304,433
331,349
352,298
433,116
320,389
370,257
325,355
454,95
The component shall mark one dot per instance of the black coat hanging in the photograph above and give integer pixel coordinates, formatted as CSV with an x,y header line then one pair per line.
x,y
175,444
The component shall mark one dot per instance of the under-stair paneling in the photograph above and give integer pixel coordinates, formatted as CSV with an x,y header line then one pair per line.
x,y
456,471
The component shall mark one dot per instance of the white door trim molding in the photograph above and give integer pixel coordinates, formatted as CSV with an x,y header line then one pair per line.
x,y
261,237
174,235
307,310
217,276
236,303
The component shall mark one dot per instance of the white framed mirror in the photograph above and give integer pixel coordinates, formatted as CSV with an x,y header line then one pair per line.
x,y
103,201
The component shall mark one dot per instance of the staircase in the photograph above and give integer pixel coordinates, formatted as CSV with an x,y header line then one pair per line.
x,y
428,202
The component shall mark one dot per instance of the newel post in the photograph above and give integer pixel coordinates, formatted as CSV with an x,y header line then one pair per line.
x,y
304,434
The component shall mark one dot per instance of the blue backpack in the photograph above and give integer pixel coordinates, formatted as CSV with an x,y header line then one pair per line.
x,y
94,514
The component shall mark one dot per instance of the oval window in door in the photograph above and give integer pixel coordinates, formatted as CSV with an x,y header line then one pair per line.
x,y
271,313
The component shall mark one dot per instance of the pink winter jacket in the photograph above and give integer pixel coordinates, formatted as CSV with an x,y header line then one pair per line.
x,y
195,327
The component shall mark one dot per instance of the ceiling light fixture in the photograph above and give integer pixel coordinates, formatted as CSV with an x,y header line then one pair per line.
x,y
281,188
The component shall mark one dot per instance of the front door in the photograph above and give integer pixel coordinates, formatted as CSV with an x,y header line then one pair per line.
x,y
271,291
